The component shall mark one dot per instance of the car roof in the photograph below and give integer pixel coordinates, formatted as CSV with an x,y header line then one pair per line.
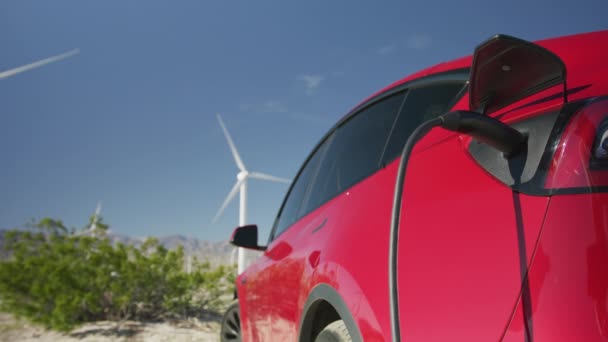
x,y
582,53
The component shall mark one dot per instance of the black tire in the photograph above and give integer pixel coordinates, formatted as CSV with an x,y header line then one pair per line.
x,y
231,324
334,332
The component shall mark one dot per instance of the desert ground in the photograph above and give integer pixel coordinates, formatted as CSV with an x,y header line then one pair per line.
x,y
205,328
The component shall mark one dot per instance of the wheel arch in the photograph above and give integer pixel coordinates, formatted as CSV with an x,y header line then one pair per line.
x,y
318,301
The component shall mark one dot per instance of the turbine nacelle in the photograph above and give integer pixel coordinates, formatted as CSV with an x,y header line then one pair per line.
x,y
241,176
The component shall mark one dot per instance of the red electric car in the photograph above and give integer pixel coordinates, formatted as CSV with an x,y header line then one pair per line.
x,y
491,226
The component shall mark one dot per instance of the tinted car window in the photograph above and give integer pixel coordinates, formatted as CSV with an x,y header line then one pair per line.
x,y
361,145
291,206
421,104
354,152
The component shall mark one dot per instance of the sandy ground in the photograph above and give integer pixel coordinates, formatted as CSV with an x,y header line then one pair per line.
x,y
192,330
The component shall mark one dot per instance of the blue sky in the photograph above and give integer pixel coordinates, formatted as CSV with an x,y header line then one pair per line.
x,y
131,119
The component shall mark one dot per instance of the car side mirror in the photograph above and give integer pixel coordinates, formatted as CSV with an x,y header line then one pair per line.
x,y
246,237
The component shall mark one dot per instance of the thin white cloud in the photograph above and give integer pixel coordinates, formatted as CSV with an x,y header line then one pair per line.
x,y
419,41
274,107
387,49
37,64
270,106
311,81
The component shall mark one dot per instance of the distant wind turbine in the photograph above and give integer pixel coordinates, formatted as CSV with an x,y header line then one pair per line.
x,y
241,187
93,226
37,64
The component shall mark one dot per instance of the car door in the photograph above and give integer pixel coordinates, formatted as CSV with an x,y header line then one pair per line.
x,y
464,245
347,156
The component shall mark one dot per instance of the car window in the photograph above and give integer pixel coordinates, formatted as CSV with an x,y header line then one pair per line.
x,y
291,206
361,145
421,104
354,152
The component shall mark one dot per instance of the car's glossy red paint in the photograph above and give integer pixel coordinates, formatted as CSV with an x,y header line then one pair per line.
x,y
568,281
477,261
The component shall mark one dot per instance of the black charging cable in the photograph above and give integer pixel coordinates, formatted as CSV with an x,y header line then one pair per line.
x,y
418,133
485,129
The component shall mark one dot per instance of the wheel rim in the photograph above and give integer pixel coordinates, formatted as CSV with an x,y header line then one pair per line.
x,y
231,326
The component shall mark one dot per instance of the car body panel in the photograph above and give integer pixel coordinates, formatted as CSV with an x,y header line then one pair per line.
x,y
313,264
452,271
466,241
568,279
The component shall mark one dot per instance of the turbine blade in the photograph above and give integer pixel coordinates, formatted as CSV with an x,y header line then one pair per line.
x,y
271,178
229,198
37,64
98,209
235,153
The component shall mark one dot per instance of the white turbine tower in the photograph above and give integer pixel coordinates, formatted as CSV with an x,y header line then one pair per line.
x,y
241,187
37,64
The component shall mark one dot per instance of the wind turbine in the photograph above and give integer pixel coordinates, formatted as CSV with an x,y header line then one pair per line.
x,y
241,187
93,226
37,64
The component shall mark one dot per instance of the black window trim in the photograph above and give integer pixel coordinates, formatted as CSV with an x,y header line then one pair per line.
x,y
455,75
313,177
404,92
382,163
273,230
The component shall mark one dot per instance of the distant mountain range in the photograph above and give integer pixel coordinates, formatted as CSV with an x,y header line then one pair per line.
x,y
217,253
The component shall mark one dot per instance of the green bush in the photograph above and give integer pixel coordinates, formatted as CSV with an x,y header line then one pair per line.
x,y
60,279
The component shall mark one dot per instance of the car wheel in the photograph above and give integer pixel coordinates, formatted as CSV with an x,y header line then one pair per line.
x,y
335,332
231,324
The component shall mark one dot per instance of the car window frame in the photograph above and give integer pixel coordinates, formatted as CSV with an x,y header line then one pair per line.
x,y
327,138
463,90
455,75
354,181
